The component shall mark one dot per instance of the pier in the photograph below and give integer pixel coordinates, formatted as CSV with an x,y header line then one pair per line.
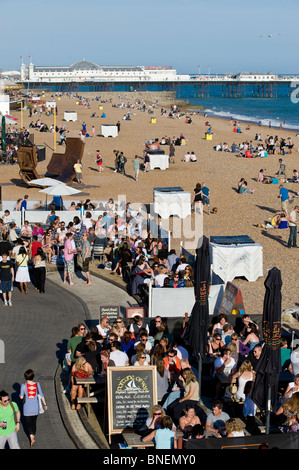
x,y
199,87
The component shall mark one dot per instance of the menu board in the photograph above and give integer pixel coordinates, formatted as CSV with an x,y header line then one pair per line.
x,y
131,393
110,311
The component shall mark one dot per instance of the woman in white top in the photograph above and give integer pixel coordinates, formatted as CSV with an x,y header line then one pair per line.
x,y
159,279
119,328
141,360
87,221
26,229
233,428
22,275
221,321
244,374
292,387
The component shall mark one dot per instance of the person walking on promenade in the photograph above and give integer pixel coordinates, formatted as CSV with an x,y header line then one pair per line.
x,y
7,279
30,393
10,417
86,257
293,224
69,253
39,263
22,274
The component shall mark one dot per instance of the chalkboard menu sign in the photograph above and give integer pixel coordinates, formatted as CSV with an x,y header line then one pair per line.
x,y
110,311
131,392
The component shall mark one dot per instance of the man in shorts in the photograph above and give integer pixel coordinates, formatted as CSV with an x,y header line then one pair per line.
x,y
7,279
285,198
78,170
205,195
86,257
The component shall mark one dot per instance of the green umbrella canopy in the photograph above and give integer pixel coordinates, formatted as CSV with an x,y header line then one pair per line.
x,y
3,134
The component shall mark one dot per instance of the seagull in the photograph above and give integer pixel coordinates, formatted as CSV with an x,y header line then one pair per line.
x,y
269,35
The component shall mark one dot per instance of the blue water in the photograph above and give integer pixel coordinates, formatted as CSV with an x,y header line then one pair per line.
x,y
277,110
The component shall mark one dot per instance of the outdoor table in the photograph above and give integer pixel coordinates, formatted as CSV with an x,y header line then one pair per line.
x,y
87,382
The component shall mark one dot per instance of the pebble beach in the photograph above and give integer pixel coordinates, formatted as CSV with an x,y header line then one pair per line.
x,y
236,214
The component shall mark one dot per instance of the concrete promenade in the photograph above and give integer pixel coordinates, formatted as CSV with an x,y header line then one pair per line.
x,y
35,331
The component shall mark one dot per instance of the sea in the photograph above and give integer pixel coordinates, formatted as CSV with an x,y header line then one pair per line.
x,y
281,109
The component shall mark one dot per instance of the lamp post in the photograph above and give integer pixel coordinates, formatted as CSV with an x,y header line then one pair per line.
x,y
21,114
54,133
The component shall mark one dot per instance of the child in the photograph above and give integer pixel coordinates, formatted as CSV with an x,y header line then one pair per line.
x,y
282,167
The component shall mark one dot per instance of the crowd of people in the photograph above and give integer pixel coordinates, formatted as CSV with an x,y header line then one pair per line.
x,y
128,248
232,354
262,148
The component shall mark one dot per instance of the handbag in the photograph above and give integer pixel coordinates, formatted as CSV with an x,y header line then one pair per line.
x,y
40,405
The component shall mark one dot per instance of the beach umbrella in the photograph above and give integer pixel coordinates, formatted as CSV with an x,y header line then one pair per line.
x,y
45,182
3,134
269,365
196,331
60,190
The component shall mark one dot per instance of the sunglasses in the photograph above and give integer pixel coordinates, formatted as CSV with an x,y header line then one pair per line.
x,y
118,322
157,414
6,401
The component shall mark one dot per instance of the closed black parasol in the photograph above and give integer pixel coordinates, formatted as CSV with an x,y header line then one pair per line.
x,y
269,365
196,332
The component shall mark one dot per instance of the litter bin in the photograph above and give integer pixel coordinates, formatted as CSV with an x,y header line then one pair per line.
x,y
208,136
153,120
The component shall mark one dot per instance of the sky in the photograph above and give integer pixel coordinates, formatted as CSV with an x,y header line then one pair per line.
x,y
192,36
